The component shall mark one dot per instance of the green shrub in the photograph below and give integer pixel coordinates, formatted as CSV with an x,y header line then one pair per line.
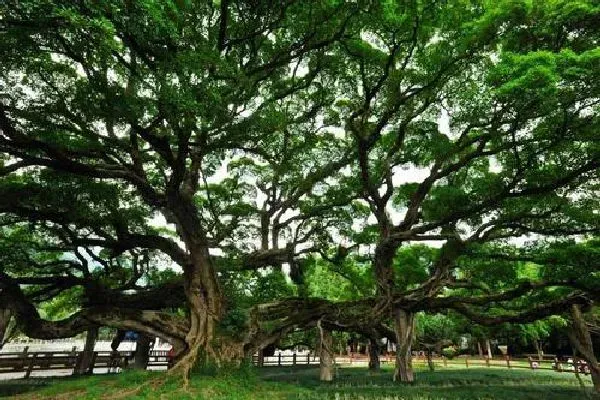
x,y
449,352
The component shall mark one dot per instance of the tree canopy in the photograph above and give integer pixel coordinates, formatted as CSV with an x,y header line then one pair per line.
x,y
221,173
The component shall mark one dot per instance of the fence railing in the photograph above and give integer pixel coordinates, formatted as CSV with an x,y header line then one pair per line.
x,y
111,361
27,362
552,362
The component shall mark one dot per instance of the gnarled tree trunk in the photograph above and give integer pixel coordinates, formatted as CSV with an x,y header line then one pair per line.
x,y
326,354
204,300
404,324
5,316
374,351
580,338
84,362
201,286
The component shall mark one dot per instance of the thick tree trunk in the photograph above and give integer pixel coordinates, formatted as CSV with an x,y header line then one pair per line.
x,y
84,362
326,355
488,347
142,351
595,372
404,326
204,300
374,352
581,339
480,349
5,315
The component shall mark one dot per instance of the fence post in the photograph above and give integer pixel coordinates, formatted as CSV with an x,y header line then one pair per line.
x,y
530,362
294,358
72,358
77,361
558,366
508,361
350,358
467,361
308,358
23,358
487,361
575,365
30,367
279,359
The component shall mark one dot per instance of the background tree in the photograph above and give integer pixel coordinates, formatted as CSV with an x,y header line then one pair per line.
x,y
434,332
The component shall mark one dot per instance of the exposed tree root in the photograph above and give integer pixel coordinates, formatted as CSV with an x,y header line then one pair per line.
x,y
126,393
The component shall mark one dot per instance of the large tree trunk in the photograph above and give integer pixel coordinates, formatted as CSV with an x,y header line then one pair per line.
x,y
142,351
404,323
374,352
480,349
5,316
326,355
201,285
84,362
596,380
204,300
580,338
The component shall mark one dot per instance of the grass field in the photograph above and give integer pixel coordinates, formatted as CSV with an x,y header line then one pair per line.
x,y
302,383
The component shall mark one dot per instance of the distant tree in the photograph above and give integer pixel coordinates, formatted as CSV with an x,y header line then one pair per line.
x,y
434,332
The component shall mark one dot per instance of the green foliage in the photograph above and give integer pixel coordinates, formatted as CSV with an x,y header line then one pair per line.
x,y
413,264
436,328
449,352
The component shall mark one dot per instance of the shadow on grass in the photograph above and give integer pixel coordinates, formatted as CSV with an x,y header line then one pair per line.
x,y
473,383
18,386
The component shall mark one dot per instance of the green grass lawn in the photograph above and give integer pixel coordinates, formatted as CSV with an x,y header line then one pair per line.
x,y
302,383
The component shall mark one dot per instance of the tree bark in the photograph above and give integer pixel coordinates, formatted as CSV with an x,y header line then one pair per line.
x,y
374,352
5,316
488,347
479,349
142,351
326,354
404,322
201,285
596,380
84,362
581,339
204,300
